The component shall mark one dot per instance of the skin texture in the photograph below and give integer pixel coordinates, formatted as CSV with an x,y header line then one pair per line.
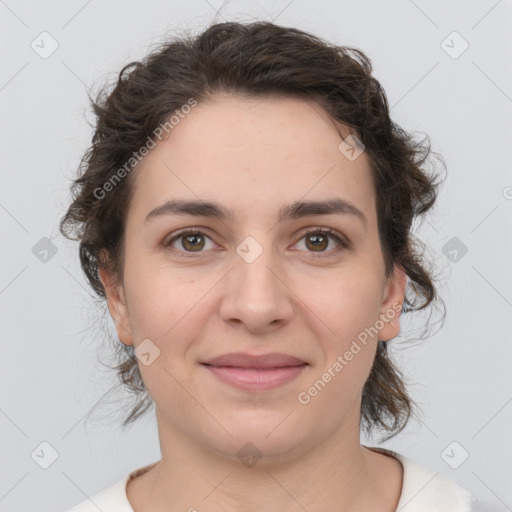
x,y
255,156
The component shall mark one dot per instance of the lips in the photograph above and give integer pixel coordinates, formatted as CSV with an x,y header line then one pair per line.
x,y
256,373
241,360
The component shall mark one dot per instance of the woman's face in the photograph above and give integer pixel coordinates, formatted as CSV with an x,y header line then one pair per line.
x,y
254,282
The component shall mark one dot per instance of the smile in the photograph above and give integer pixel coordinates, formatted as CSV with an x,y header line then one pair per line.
x,y
256,379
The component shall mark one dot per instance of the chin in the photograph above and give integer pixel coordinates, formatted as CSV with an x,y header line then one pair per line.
x,y
264,444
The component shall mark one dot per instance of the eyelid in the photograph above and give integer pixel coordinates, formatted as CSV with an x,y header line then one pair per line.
x,y
340,239
169,240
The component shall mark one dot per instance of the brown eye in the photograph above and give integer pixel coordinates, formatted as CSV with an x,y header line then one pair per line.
x,y
317,241
192,241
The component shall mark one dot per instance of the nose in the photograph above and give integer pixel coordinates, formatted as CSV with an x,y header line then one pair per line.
x,y
256,295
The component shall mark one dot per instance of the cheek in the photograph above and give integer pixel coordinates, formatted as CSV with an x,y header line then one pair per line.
x,y
350,309
164,309
345,303
158,297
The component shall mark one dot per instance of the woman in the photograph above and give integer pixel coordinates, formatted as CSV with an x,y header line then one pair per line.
x,y
245,209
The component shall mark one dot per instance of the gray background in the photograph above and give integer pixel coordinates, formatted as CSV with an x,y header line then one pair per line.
x,y
51,330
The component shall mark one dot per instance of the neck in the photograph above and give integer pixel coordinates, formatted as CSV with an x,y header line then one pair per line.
x,y
336,474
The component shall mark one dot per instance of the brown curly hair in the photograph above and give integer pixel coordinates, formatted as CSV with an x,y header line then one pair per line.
x,y
257,59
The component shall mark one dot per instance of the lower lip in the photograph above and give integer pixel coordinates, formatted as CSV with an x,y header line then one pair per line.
x,y
254,379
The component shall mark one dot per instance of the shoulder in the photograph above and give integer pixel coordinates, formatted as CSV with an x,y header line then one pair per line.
x,y
424,490
111,499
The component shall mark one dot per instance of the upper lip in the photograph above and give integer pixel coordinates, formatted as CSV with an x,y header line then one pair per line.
x,y
242,360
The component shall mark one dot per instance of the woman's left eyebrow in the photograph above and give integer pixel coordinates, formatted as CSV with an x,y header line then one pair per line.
x,y
296,210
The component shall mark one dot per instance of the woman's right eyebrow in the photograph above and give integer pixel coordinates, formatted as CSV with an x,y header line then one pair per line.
x,y
296,210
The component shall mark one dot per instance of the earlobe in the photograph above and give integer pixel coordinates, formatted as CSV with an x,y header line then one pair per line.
x,y
392,305
116,302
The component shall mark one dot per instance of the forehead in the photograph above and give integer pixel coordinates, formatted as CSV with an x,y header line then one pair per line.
x,y
284,126
247,151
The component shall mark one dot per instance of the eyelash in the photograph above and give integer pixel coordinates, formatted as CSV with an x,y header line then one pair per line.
x,y
343,243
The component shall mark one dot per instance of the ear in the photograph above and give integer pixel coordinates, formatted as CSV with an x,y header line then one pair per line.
x,y
116,302
393,299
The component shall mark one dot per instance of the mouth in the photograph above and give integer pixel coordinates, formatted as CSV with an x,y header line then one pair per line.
x,y
256,373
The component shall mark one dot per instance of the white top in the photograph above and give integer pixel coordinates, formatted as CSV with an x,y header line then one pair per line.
x,y
422,491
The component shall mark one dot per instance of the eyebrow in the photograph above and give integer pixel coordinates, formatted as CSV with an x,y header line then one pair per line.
x,y
296,210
